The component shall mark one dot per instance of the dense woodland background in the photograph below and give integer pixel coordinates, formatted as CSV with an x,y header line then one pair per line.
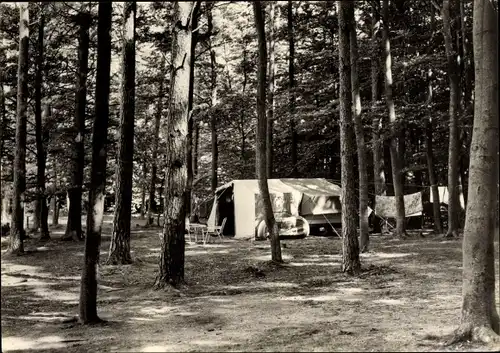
x,y
417,51
377,96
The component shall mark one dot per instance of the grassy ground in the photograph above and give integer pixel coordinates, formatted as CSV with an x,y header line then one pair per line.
x,y
407,298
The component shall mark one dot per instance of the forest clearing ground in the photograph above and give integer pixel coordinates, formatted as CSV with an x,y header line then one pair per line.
x,y
407,298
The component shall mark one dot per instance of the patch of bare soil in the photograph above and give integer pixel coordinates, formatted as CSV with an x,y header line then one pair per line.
x,y
407,298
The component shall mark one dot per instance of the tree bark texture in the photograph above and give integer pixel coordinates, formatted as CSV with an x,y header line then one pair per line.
x,y
156,139
88,290
378,157
395,157
350,246
431,169
74,225
55,203
261,134
119,250
360,136
479,314
213,123
17,231
271,108
291,87
189,152
41,136
453,147
171,264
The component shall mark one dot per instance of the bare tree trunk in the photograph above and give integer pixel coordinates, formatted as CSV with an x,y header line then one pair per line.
x,y
467,79
156,138
56,204
438,225
88,289
196,142
395,158
453,147
171,265
350,247
74,225
189,140
17,232
119,249
143,189
213,123
360,136
479,314
5,216
377,141
41,211
378,157
270,112
291,83
271,224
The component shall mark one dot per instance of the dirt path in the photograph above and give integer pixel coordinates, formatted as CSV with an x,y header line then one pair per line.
x,y
407,298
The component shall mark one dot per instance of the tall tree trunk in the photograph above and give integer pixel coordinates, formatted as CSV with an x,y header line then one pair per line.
x,y
196,143
431,171
350,247
74,225
291,83
171,265
56,204
479,314
97,191
119,248
453,147
270,112
5,218
378,157
41,166
143,189
156,138
271,224
41,210
17,232
360,136
395,158
466,100
377,141
213,123
189,140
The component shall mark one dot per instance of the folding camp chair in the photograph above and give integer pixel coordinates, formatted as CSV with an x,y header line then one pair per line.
x,y
215,231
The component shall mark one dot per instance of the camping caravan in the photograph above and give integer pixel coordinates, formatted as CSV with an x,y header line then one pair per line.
x,y
317,200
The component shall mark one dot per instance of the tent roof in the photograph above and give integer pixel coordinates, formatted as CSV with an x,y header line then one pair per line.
x,y
311,187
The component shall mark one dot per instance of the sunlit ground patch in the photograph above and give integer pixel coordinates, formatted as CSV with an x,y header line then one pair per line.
x,y
25,343
160,348
187,313
42,317
267,257
203,252
319,298
10,281
387,255
135,319
212,343
350,290
389,301
299,264
156,311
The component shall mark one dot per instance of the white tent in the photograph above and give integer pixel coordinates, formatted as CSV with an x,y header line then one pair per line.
x,y
239,201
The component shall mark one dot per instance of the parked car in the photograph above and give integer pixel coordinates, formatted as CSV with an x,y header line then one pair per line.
x,y
289,227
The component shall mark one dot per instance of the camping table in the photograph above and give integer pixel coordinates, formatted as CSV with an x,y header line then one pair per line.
x,y
197,229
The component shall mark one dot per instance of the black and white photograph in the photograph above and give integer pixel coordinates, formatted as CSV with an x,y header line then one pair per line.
x,y
249,176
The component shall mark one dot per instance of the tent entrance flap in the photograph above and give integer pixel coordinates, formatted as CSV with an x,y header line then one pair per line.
x,y
223,207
